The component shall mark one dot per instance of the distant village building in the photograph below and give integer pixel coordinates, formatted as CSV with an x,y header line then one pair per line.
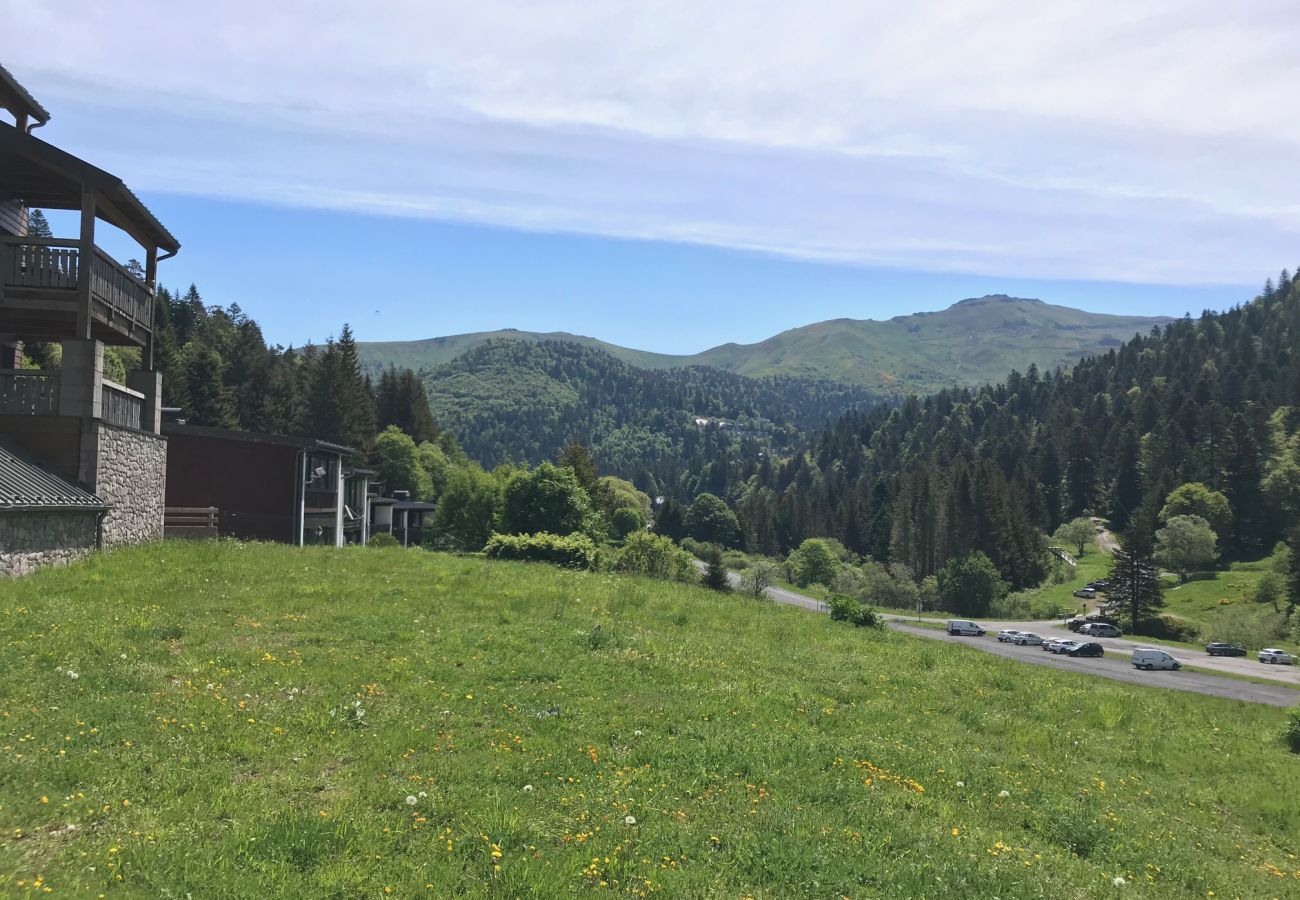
x,y
265,487
72,432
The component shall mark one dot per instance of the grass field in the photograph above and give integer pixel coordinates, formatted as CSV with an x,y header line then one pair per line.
x,y
250,721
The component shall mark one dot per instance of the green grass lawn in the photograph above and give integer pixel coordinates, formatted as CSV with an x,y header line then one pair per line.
x,y
1216,606
252,721
1091,566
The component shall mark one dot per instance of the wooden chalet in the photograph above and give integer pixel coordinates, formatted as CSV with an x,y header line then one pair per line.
x,y
74,422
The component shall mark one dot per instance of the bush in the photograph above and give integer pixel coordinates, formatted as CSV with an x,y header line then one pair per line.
x,y
383,539
1292,733
654,556
848,609
735,560
573,551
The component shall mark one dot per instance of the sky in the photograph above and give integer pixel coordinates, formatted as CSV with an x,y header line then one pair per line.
x,y
671,175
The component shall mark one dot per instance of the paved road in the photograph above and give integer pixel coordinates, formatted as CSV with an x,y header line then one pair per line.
x,y
1119,668
1115,665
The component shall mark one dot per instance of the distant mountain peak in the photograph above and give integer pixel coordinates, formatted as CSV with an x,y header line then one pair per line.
x,y
994,298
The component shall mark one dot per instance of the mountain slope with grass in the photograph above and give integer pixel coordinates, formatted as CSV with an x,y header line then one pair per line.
x,y
244,720
971,342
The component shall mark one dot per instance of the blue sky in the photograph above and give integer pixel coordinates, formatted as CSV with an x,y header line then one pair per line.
x,y
666,179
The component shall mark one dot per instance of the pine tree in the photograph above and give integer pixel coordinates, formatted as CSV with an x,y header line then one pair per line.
x,y
38,225
1136,591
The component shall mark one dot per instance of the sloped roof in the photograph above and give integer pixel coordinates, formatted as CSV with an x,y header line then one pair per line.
x,y
25,485
15,98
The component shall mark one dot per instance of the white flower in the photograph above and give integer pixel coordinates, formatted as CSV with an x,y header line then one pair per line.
x,y
1004,793
124,656
73,675
961,784
528,789
423,795
637,733
1118,881
410,800
629,820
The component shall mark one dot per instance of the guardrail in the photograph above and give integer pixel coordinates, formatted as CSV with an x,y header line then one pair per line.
x,y
121,405
29,392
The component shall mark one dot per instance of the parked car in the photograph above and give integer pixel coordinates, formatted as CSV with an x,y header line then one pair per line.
x,y
1065,646
1099,585
1086,593
1050,644
1100,629
961,626
1027,639
1008,635
1154,658
1221,648
1079,621
1089,649
1276,657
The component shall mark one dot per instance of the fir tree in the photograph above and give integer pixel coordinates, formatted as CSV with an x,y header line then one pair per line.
x,y
1136,591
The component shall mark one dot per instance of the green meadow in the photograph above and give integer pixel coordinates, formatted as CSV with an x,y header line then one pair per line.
x,y
227,720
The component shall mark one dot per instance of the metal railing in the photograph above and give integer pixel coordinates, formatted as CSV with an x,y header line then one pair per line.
x,y
121,405
29,392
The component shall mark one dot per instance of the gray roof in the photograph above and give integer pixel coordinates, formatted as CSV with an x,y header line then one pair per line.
x,y
25,485
16,98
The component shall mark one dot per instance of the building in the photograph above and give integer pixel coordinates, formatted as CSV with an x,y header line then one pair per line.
x,y
44,520
268,487
73,424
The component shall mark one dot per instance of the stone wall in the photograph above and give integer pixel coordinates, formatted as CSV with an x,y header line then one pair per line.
x,y
30,539
131,477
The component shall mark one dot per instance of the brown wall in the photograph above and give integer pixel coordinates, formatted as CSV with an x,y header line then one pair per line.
x,y
13,218
251,484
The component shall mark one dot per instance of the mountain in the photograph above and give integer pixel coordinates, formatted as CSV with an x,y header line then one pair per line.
x,y
521,401
970,343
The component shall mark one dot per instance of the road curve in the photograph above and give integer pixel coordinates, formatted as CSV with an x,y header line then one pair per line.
x,y
1116,666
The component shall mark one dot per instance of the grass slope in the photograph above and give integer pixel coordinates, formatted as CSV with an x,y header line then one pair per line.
x,y
563,734
972,342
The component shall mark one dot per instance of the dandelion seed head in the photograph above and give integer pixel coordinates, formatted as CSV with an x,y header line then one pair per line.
x,y
629,820
1119,881
1004,793
410,800
528,789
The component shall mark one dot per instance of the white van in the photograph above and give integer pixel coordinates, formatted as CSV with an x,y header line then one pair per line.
x,y
961,626
1154,658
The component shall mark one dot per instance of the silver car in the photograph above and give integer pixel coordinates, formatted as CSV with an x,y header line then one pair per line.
x,y
1276,657
1026,639
1007,636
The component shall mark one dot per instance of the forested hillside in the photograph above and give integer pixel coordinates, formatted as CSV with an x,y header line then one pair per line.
x,y
519,401
969,343
1210,400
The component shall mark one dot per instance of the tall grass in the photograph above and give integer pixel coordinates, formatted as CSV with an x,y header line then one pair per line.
x,y
252,721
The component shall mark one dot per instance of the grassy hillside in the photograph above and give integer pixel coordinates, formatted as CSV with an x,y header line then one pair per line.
x,y
233,721
972,342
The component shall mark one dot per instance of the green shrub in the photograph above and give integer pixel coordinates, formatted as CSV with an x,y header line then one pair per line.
x,y
1292,733
383,539
848,609
573,551
649,554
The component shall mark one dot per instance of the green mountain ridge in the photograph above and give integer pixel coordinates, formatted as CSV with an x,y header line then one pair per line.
x,y
972,342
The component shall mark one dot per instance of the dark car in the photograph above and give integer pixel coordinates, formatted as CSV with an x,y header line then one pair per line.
x,y
1079,621
1221,648
1087,650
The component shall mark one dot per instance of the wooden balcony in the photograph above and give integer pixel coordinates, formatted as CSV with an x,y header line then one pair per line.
x,y
42,283
27,392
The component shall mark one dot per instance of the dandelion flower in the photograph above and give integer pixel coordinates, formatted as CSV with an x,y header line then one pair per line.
x,y
423,795
410,800
1119,881
629,820
637,733
961,784
528,789
73,675
1004,793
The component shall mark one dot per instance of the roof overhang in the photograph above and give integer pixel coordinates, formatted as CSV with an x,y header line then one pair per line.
x,y
43,176
15,98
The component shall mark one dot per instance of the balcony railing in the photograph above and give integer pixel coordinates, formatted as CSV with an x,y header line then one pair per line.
x,y
28,392
121,405
56,264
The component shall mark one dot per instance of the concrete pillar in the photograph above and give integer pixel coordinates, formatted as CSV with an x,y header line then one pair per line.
x,y
81,379
150,384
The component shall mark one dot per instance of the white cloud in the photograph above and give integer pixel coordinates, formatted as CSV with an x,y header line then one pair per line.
x,y
1147,141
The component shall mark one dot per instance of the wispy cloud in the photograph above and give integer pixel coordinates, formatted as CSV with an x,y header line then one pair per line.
x,y
1149,141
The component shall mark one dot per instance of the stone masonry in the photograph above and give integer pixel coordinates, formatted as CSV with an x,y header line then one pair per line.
x,y
131,477
31,539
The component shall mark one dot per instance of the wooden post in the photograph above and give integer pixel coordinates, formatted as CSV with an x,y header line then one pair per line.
x,y
150,277
85,266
